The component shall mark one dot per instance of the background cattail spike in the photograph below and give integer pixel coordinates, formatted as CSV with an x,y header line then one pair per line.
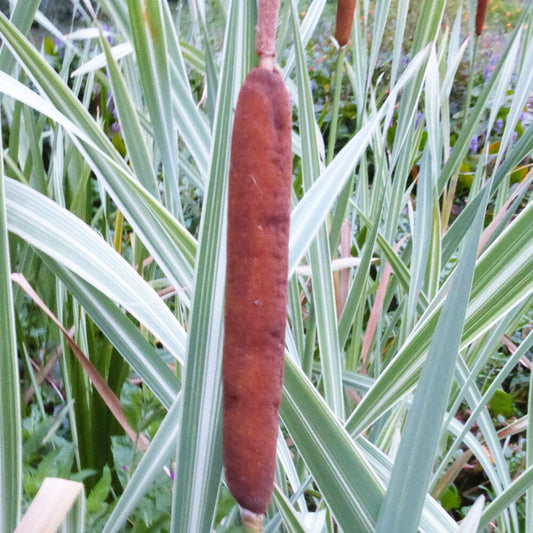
x,y
343,27
481,11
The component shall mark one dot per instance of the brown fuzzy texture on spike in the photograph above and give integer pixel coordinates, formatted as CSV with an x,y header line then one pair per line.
x,y
256,285
343,27
481,11
265,40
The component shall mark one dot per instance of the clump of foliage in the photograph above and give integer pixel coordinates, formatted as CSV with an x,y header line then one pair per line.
x,y
408,337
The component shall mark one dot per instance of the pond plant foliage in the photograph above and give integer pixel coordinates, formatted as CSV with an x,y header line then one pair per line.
x,y
407,368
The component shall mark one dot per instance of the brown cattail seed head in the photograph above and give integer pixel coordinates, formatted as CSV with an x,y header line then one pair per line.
x,y
343,27
256,285
481,11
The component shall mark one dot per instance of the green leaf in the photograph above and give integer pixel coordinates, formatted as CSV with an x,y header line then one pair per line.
x,y
96,500
347,481
323,291
10,421
149,467
501,404
451,498
68,240
199,457
413,465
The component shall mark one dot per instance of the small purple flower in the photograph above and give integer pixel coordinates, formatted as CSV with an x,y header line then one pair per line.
x,y
114,128
498,126
487,72
405,61
172,474
107,32
58,45
419,116
515,136
125,468
474,144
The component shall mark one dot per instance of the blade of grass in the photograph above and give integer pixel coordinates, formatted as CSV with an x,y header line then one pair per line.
x,y
50,509
123,334
169,243
511,495
199,457
323,291
130,125
22,17
149,41
10,417
107,395
410,477
313,208
529,454
503,278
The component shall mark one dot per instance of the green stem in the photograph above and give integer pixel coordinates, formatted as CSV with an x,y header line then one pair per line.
x,y
339,67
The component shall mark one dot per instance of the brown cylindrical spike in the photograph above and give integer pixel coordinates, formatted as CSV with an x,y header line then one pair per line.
x,y
256,285
343,27
481,11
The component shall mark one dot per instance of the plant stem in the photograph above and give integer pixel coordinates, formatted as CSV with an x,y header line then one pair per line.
x,y
265,42
251,521
339,68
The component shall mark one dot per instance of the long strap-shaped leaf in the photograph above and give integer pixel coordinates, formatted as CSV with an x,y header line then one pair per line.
x,y
503,278
346,481
171,246
323,291
10,422
22,17
313,209
149,41
67,239
199,462
123,334
413,465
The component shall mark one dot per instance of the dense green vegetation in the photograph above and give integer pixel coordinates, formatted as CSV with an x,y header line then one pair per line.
x,y
408,344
